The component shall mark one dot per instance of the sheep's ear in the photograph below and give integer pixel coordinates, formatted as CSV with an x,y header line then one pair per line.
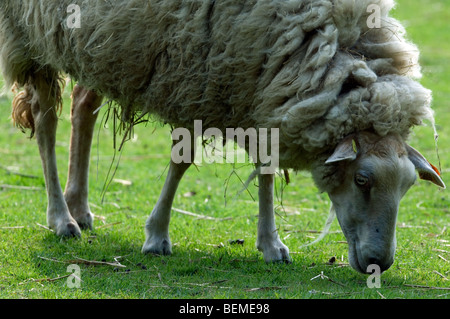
x,y
426,170
347,150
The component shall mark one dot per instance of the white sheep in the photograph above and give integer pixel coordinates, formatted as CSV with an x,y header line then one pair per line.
x,y
342,93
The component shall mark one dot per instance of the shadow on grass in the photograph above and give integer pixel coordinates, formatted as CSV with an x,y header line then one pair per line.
x,y
190,272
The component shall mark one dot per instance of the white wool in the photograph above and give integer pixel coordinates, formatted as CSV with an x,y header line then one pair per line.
x,y
312,68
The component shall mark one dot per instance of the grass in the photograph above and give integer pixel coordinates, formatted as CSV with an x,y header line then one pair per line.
x,y
205,264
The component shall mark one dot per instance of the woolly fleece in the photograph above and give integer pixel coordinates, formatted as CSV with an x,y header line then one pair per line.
x,y
312,68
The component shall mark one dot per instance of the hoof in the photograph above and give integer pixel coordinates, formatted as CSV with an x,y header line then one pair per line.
x,y
275,251
68,229
282,257
80,213
157,247
86,221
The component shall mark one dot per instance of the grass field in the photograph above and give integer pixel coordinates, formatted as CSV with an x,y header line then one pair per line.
x,y
206,263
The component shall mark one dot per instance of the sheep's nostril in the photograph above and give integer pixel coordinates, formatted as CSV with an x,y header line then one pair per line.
x,y
373,261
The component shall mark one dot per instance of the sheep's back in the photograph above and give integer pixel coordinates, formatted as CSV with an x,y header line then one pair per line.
x,y
315,69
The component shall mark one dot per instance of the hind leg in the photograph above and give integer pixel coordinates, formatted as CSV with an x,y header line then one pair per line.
x,y
45,95
84,103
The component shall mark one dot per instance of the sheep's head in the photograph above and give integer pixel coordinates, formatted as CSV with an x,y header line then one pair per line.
x,y
373,174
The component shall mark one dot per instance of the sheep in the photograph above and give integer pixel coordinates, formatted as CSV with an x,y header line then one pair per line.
x,y
342,94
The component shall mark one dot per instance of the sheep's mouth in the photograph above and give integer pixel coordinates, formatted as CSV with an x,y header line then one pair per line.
x,y
354,257
361,264
354,250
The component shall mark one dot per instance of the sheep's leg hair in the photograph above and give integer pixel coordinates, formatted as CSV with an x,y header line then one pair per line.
x,y
43,108
84,103
268,240
157,225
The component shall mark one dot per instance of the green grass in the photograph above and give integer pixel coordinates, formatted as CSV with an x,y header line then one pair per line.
x,y
204,264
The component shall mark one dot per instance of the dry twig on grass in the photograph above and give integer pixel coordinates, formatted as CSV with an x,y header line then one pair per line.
x,y
94,262
108,225
12,227
45,227
45,279
78,260
426,287
322,276
24,188
198,215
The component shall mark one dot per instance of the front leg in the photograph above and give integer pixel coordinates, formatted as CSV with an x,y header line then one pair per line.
x,y
84,104
268,240
157,225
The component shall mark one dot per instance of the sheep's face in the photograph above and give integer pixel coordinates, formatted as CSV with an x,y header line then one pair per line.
x,y
375,174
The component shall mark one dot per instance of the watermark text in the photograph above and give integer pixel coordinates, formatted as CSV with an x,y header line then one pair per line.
x,y
261,145
374,280
74,280
74,18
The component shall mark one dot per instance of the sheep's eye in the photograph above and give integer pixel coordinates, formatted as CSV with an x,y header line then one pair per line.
x,y
361,180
